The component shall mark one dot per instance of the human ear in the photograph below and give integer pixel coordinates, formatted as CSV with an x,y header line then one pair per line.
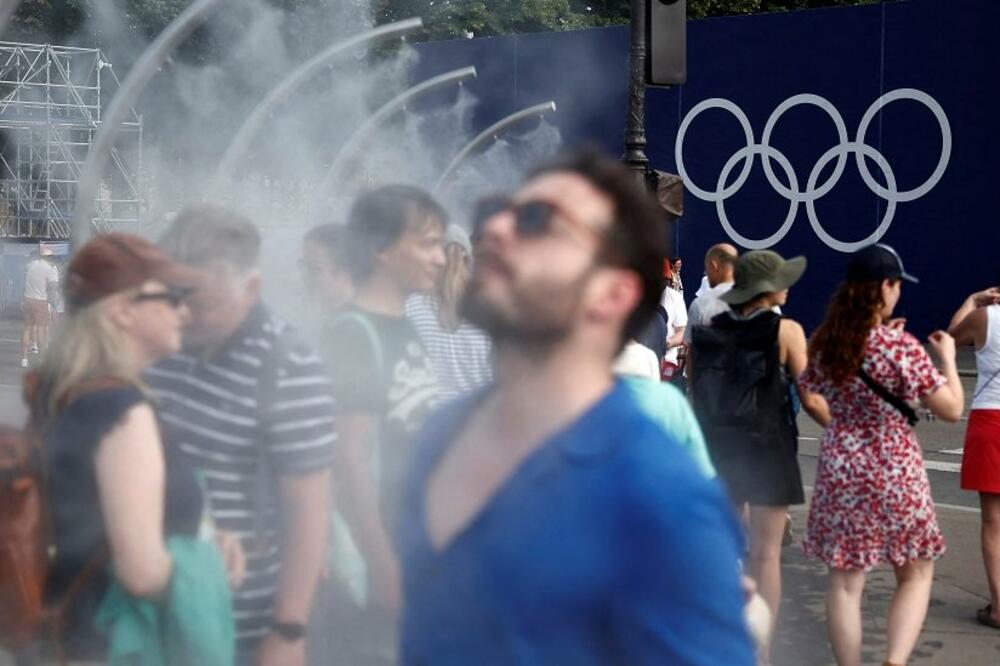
x,y
617,293
119,310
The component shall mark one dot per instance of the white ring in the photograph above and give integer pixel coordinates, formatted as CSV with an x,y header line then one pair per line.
x,y
862,150
713,103
930,103
765,140
766,152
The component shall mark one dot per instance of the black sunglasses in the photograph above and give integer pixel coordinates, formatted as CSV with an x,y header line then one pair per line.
x,y
531,218
172,295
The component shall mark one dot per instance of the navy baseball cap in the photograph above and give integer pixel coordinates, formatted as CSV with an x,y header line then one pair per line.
x,y
877,262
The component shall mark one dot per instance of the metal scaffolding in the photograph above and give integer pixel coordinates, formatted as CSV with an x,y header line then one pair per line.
x,y
50,110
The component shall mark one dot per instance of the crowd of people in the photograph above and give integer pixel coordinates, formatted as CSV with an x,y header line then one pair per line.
x,y
512,444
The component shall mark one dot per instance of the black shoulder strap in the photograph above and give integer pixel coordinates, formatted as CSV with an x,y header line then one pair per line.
x,y
908,412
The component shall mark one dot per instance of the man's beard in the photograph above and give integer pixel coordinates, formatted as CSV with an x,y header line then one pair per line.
x,y
539,319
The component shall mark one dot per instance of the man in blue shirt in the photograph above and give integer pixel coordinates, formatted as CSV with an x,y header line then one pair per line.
x,y
547,520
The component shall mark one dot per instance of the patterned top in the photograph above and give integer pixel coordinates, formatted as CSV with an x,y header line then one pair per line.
x,y
463,359
872,501
262,404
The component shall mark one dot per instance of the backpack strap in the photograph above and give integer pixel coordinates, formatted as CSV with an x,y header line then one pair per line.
x,y
908,412
370,332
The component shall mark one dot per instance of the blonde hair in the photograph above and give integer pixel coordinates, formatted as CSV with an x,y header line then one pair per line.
x,y
452,286
86,346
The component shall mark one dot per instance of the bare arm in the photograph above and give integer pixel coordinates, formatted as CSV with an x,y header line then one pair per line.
x,y
305,505
970,330
947,402
131,482
358,499
677,339
793,342
980,299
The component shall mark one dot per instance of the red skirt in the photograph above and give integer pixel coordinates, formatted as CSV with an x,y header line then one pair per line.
x,y
981,458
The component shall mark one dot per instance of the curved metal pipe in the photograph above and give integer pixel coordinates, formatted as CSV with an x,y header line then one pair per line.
x,y
387,109
241,141
133,85
491,131
7,8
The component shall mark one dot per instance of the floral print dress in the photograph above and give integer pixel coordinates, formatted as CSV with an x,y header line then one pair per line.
x,y
872,500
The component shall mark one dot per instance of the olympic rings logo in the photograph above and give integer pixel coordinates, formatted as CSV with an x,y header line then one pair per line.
x,y
814,190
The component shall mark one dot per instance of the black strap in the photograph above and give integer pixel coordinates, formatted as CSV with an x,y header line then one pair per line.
x,y
983,387
908,412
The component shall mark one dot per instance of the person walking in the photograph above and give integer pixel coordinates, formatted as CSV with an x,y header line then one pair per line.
x,y
115,493
743,364
977,323
41,279
871,502
253,407
547,519
461,355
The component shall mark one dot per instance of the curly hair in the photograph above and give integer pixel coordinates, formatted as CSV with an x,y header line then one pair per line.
x,y
838,345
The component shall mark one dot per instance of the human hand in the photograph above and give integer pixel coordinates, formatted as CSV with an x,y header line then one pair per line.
x,y
897,323
233,557
277,651
943,345
986,297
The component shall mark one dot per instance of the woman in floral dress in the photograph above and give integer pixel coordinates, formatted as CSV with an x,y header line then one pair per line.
x,y
872,502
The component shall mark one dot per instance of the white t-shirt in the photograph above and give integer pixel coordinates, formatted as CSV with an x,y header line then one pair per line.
x,y
705,307
637,360
37,277
677,317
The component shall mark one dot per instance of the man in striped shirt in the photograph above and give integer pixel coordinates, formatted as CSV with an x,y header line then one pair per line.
x,y
254,408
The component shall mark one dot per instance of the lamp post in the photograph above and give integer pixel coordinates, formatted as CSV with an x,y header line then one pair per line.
x,y
635,121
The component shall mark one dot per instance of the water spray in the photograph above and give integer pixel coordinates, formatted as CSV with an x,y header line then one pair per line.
x,y
361,134
132,87
260,114
491,132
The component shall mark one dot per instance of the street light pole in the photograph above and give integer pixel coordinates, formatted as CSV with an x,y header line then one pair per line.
x,y
635,127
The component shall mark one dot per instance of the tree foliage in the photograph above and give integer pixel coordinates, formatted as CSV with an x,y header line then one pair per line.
x,y
56,20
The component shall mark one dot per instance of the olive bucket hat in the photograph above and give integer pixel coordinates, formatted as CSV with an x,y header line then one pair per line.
x,y
763,272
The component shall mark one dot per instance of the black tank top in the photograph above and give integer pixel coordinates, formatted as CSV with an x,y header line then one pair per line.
x,y
69,447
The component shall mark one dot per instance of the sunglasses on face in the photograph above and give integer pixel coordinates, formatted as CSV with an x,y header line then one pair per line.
x,y
173,295
531,218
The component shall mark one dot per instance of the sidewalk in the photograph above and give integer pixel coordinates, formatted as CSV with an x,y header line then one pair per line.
x,y
951,636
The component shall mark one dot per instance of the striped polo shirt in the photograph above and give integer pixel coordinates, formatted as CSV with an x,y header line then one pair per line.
x,y
260,407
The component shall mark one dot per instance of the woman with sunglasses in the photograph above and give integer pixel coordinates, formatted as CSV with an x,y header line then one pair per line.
x,y
871,501
977,323
115,493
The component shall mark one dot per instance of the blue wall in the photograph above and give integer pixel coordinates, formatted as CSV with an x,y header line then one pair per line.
x,y
850,57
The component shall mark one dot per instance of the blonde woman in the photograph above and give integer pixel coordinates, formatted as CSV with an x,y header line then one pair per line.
x,y
461,355
114,492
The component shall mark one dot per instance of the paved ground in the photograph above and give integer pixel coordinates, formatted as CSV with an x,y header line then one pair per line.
x,y
951,636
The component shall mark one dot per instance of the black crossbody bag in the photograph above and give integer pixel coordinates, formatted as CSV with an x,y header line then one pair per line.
x,y
908,412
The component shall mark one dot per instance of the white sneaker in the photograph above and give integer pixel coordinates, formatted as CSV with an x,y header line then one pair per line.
x,y
34,349
24,363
